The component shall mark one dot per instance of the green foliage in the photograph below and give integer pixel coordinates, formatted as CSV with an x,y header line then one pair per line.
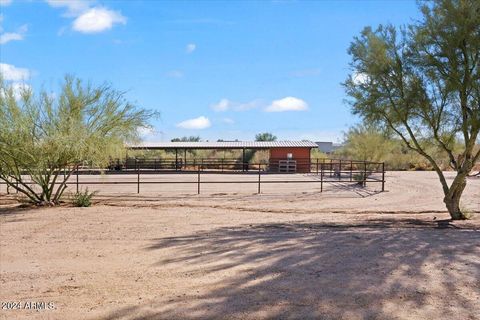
x,y
83,199
365,142
359,178
423,83
187,139
41,136
317,154
469,214
266,136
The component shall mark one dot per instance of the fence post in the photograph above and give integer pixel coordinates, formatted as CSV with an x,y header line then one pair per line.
x,y
383,176
340,171
198,180
317,166
138,175
321,180
259,167
351,169
364,173
77,177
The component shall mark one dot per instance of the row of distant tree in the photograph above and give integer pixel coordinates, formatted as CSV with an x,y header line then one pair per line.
x,y
265,136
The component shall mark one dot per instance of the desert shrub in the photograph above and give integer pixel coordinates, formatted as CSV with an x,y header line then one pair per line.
x,y
469,214
83,199
359,178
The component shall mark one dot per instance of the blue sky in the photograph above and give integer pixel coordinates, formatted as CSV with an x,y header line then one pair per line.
x,y
220,70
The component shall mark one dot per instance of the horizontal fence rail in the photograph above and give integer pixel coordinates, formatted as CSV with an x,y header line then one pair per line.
x,y
319,171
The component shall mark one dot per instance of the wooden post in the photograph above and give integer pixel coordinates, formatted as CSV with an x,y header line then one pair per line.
x,y
383,176
317,166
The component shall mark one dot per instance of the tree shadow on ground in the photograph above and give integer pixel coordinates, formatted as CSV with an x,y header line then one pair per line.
x,y
376,269
16,208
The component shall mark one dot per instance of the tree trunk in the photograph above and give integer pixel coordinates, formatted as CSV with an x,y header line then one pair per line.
x,y
452,198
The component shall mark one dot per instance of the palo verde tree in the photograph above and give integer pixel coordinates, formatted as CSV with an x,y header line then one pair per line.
x,y
44,137
423,82
365,142
265,136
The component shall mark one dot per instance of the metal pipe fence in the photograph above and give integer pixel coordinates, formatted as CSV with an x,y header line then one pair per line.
x,y
320,171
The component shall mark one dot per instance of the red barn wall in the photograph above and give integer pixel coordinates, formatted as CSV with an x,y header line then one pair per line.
x,y
302,155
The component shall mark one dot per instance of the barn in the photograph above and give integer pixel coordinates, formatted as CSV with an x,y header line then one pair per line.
x,y
284,156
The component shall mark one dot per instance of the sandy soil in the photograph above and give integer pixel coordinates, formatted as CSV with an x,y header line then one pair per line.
x,y
288,254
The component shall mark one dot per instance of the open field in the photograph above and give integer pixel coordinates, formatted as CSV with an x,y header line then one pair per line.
x,y
289,253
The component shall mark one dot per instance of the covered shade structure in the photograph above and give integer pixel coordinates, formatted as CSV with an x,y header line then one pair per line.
x,y
278,150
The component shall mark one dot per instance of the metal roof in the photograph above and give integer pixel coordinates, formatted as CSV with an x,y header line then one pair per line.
x,y
225,145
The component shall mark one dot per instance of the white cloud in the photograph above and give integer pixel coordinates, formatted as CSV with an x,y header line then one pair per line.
x,y
175,74
97,20
74,7
12,73
287,104
222,105
18,88
5,2
359,78
190,47
225,105
197,123
88,18
12,36
228,121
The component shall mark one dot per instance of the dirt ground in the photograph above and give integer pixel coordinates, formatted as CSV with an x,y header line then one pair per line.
x,y
347,253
